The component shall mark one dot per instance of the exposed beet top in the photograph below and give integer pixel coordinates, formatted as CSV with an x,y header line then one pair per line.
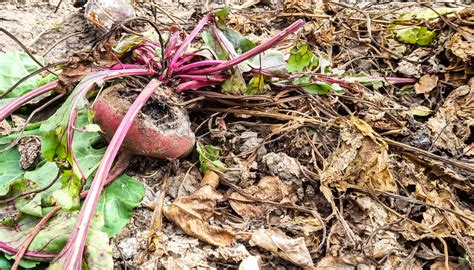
x,y
161,129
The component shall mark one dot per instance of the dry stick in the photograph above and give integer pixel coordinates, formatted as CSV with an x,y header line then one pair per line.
x,y
420,225
170,16
24,48
411,200
32,235
461,239
369,33
61,40
404,147
157,217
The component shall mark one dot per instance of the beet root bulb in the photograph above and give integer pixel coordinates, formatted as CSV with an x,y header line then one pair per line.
x,y
161,130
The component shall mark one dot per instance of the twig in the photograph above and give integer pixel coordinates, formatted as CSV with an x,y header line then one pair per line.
x,y
157,217
27,51
61,40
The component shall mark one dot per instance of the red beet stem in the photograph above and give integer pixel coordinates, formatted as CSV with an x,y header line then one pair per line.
x,y
185,44
73,251
251,53
199,64
193,85
17,103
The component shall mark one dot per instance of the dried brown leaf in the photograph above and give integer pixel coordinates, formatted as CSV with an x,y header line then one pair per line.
x,y
270,188
78,66
361,159
452,124
275,241
426,84
190,213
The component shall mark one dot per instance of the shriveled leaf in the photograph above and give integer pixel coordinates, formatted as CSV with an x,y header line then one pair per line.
x,y
361,159
415,35
275,241
235,84
426,84
190,213
209,156
117,202
270,188
256,85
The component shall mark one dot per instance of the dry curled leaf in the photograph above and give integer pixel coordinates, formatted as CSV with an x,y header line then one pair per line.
x,y
426,84
452,124
275,241
190,213
270,188
78,66
361,159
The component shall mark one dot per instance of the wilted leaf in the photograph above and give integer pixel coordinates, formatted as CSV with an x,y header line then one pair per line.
x,y
333,263
97,252
190,213
420,111
51,238
270,61
426,14
256,85
10,171
250,263
415,35
235,85
209,156
275,241
270,188
361,159
426,84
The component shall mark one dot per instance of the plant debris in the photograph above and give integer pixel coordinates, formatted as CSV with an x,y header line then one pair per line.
x,y
256,135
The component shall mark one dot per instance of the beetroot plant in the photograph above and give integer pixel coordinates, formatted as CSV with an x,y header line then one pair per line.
x,y
113,100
